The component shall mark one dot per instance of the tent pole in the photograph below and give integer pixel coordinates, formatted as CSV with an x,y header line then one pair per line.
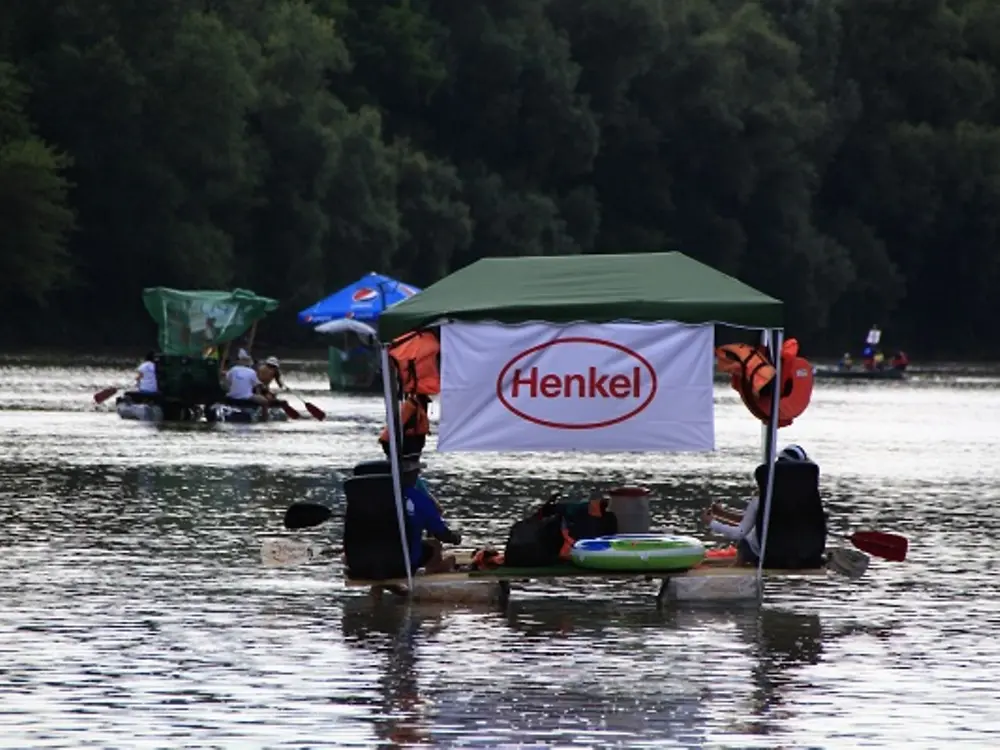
x,y
397,485
765,341
772,441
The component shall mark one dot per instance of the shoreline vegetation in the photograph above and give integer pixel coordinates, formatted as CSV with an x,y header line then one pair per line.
x,y
841,155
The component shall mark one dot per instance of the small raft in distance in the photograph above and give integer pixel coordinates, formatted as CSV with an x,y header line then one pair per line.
x,y
154,408
232,414
838,374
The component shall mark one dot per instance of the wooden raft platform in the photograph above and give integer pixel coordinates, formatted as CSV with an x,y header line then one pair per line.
x,y
730,581
571,571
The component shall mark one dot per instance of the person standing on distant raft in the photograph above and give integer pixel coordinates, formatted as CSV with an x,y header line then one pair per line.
x,y
871,346
742,530
145,379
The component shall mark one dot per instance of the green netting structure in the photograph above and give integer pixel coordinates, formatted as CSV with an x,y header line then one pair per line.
x,y
191,322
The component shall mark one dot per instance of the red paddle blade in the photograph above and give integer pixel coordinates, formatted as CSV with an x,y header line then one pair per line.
x,y
315,411
101,396
881,544
287,408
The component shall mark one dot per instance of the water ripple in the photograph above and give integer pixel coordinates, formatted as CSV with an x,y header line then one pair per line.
x,y
136,613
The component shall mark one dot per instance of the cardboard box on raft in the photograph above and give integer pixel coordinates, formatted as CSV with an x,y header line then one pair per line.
x,y
716,583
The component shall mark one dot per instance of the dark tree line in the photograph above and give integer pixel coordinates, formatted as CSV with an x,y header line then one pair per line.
x,y
843,155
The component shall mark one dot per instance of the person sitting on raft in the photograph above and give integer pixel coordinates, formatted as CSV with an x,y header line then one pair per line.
x,y
424,514
145,378
241,382
269,371
743,529
846,362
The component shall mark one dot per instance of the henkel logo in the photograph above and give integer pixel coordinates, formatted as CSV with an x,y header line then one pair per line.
x,y
364,294
596,395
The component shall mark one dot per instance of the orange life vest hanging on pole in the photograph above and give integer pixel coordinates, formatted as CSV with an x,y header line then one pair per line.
x,y
752,375
417,357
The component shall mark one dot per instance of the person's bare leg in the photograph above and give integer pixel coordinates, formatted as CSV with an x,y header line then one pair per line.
x,y
438,562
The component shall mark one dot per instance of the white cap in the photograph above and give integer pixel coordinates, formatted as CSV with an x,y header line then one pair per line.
x,y
273,362
244,356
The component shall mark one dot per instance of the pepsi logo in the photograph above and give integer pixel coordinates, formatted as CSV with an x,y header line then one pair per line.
x,y
364,294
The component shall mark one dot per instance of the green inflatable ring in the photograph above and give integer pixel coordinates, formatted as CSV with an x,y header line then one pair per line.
x,y
639,552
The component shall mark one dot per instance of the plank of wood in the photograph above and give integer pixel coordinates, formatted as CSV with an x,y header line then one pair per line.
x,y
543,574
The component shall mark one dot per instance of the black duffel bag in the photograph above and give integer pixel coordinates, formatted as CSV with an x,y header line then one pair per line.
x,y
545,537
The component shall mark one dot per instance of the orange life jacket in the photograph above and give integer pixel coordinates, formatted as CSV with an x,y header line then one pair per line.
x,y
417,357
415,421
752,376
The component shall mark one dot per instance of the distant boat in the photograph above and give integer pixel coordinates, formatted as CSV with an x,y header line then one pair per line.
x,y
889,373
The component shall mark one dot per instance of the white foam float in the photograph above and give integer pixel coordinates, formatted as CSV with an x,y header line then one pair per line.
x,y
716,588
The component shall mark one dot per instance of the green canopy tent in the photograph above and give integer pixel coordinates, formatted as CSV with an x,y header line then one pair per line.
x,y
640,287
190,322
593,288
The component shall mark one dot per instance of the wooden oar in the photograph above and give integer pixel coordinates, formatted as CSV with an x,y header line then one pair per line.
x,y
103,395
305,515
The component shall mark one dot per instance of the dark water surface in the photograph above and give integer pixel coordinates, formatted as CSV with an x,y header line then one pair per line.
x,y
135,611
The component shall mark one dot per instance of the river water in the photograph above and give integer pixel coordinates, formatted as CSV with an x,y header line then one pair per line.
x,y
135,611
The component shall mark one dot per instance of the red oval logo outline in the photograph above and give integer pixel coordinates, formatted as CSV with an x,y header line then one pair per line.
x,y
586,425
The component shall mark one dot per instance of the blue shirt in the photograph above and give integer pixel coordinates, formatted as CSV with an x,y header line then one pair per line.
x,y
422,515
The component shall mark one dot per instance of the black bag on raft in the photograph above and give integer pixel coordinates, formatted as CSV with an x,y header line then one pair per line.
x,y
535,540
545,537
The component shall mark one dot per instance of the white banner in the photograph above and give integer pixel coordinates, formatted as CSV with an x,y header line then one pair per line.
x,y
608,388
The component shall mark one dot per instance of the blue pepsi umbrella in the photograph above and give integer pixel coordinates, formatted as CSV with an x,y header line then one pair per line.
x,y
363,300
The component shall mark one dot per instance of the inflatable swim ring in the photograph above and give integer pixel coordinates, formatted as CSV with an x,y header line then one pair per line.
x,y
660,552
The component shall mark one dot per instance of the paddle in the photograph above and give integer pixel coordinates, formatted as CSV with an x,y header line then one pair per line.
x,y
316,412
288,409
892,547
103,395
847,562
275,552
304,515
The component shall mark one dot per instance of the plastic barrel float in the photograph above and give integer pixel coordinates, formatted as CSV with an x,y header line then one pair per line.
x,y
639,552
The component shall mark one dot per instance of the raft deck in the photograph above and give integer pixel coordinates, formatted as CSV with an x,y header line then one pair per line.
x,y
504,576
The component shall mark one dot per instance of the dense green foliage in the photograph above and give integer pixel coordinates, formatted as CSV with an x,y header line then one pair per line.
x,y
841,154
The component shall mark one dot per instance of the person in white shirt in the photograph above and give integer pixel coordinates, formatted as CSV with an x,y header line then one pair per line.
x,y
743,530
145,379
242,381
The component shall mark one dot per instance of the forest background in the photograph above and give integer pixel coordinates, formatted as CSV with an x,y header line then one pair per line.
x,y
843,155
